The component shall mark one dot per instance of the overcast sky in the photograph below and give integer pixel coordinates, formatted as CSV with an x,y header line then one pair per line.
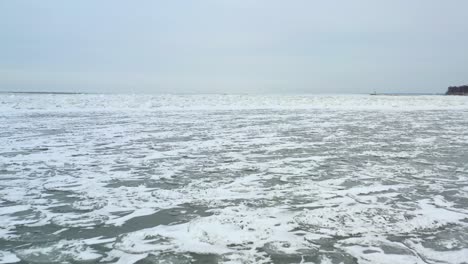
x,y
233,46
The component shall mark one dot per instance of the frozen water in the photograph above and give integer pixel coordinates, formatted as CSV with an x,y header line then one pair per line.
x,y
233,179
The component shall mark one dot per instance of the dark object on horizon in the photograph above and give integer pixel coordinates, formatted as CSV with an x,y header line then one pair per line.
x,y
457,90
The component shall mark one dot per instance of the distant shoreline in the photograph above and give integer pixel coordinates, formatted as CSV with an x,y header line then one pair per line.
x,y
405,94
374,94
10,92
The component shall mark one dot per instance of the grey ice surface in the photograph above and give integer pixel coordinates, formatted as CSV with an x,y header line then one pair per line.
x,y
233,179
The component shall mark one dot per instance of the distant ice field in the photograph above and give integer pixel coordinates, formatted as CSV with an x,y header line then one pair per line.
x,y
233,179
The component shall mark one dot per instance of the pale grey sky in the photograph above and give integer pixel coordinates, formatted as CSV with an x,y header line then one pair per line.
x,y
233,46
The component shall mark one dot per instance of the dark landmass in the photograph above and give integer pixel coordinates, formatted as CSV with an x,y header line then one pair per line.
x,y
457,90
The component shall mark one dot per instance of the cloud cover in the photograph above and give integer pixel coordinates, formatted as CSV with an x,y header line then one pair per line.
x,y
228,46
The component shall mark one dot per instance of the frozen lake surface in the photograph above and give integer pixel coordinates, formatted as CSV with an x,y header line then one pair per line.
x,y
233,179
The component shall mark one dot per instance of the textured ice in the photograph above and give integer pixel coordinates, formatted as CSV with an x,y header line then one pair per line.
x,y
233,179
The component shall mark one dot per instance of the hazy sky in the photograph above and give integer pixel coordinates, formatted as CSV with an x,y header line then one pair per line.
x,y
233,46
